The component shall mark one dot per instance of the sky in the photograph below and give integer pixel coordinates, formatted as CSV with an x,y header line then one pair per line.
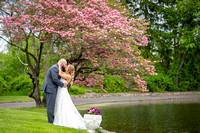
x,y
2,42
3,46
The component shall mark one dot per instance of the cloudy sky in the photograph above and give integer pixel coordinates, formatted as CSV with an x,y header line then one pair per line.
x,y
2,46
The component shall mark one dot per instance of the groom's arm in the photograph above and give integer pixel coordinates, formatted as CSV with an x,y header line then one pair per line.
x,y
54,76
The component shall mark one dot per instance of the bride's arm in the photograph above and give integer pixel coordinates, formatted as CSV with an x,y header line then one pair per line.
x,y
63,75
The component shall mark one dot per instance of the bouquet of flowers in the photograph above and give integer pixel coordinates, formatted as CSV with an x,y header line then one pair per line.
x,y
94,111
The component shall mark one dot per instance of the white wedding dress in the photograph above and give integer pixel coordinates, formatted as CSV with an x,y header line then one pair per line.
x,y
66,113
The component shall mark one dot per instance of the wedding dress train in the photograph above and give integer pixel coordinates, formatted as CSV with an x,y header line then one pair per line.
x,y
66,113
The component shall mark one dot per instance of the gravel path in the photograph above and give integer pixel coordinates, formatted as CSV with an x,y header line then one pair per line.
x,y
92,98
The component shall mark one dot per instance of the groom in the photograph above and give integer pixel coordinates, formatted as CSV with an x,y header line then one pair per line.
x,y
50,85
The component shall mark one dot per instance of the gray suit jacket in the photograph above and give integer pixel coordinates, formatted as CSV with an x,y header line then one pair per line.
x,y
52,80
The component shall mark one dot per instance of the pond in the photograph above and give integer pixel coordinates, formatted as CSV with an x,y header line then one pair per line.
x,y
163,116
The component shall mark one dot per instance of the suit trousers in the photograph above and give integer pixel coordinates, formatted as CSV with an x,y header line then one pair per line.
x,y
51,99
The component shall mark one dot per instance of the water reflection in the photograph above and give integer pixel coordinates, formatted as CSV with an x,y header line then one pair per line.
x,y
167,116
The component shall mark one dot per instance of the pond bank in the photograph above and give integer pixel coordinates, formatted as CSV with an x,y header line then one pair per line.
x,y
96,98
132,94
136,97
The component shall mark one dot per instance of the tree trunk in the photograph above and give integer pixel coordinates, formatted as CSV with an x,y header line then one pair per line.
x,y
180,69
44,101
177,80
35,92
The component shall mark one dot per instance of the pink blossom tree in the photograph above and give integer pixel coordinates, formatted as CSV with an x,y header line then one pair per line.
x,y
93,33
111,39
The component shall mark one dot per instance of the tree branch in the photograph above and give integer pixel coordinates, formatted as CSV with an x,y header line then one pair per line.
x,y
19,48
40,54
21,60
181,63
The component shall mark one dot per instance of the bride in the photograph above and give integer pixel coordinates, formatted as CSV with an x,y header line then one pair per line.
x,y
66,113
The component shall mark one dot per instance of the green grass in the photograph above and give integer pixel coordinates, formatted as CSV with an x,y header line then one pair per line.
x,y
15,98
29,120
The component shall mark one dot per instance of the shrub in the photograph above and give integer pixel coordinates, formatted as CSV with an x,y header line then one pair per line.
x,y
191,85
76,90
3,86
114,84
22,85
160,83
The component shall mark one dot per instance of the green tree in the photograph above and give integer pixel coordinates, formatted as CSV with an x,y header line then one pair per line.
x,y
183,21
174,30
11,68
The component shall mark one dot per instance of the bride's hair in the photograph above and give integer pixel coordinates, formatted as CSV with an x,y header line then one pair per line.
x,y
71,72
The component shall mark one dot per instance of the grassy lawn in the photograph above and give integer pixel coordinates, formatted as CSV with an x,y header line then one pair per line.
x,y
15,98
29,120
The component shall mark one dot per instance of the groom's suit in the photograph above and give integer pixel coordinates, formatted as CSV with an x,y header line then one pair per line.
x,y
50,85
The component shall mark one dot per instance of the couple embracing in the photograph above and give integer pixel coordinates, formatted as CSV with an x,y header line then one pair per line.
x,y
58,98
